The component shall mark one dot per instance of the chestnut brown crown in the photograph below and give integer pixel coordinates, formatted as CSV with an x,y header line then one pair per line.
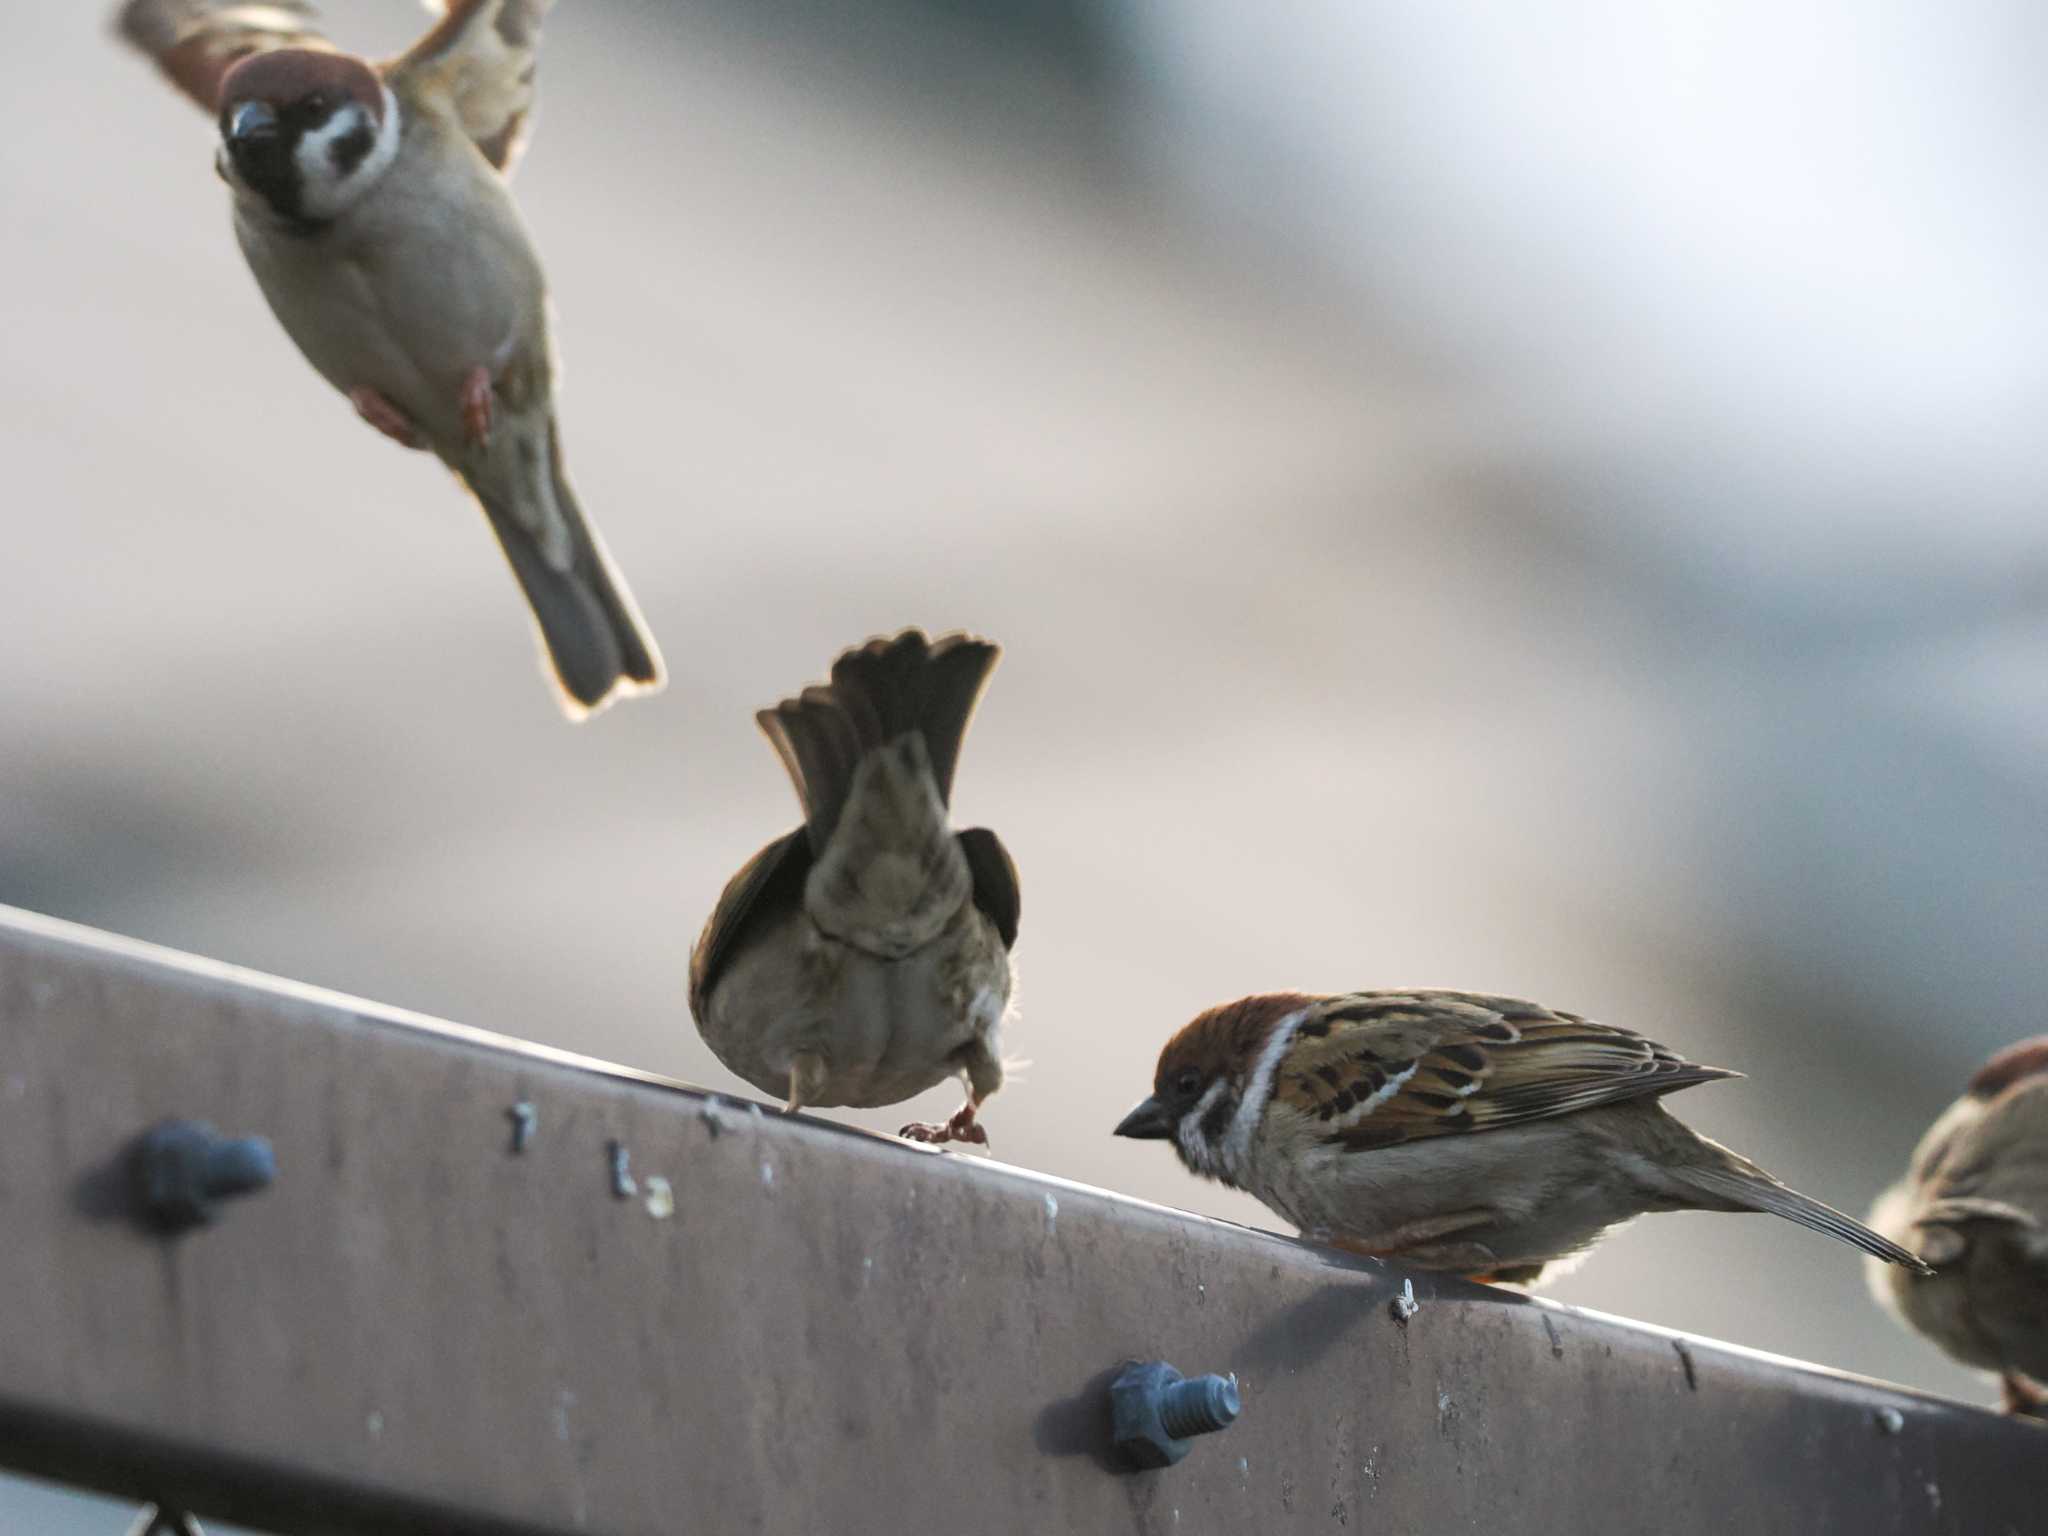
x,y
307,81
1222,1042
1219,1045
2027,1058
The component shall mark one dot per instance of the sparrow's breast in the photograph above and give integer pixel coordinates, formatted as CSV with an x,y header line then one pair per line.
x,y
429,276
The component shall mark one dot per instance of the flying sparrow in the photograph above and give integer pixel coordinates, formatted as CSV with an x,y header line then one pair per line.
x,y
1975,1204
866,955
370,201
1450,1130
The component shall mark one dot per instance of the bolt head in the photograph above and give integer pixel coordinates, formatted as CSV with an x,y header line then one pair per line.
x,y
1135,1428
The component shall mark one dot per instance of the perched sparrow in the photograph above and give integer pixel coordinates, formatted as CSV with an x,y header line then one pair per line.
x,y
1975,1205
866,956
1450,1130
370,202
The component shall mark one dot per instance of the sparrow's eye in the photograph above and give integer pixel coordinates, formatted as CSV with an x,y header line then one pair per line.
x,y
1187,1083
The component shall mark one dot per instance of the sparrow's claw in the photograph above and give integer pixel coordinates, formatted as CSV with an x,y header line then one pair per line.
x,y
962,1127
476,406
385,417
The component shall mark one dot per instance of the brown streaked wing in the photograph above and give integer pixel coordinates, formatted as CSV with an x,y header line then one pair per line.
x,y
481,58
1378,1069
195,41
767,883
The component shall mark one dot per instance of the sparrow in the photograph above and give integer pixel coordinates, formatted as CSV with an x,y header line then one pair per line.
x,y
1451,1130
865,956
370,202
1974,1203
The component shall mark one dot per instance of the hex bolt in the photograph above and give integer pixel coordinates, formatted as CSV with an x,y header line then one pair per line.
x,y
1155,1412
182,1167
524,1118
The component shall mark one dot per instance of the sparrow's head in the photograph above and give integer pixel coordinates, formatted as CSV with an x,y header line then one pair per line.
x,y
2014,1064
305,130
1214,1080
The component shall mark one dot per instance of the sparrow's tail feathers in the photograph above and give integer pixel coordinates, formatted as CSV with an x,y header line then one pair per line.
x,y
596,642
816,741
1746,1190
890,688
880,692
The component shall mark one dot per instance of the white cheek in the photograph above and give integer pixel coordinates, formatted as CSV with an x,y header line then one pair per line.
x,y
1236,1150
1194,1145
324,192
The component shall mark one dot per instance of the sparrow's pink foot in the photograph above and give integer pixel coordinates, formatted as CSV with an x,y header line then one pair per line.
x,y
476,406
384,416
962,1127
2021,1397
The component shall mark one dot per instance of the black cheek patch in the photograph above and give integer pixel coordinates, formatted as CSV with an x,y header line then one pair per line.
x,y
270,170
347,152
1216,1119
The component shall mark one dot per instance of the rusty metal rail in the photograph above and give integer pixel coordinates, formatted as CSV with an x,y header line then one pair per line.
x,y
739,1322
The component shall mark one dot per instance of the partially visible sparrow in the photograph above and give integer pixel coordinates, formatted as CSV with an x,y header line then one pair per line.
x,y
370,202
866,956
1450,1130
1974,1203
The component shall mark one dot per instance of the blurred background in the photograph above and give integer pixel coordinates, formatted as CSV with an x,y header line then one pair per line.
x,y
1549,503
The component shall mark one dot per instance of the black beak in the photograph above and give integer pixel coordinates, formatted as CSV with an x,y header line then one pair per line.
x,y
253,123
1148,1122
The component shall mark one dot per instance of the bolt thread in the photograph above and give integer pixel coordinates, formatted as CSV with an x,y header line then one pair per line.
x,y
1199,1407
237,1167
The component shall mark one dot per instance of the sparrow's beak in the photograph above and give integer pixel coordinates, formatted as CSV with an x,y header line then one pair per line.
x,y
252,122
1148,1122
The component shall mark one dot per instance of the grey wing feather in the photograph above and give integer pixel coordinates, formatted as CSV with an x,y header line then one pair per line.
x,y
769,880
996,890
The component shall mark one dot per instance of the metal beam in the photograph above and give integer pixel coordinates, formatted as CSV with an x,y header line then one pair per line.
x,y
420,1329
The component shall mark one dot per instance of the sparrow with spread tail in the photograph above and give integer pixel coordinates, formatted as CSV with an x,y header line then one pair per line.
x,y
1451,1130
1974,1203
865,956
370,201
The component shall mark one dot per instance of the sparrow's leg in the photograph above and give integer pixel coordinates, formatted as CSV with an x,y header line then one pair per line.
x,y
807,1076
476,406
2021,1397
385,417
984,1074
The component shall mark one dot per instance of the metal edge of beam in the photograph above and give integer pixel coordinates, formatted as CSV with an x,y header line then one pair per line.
x,y
419,1330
